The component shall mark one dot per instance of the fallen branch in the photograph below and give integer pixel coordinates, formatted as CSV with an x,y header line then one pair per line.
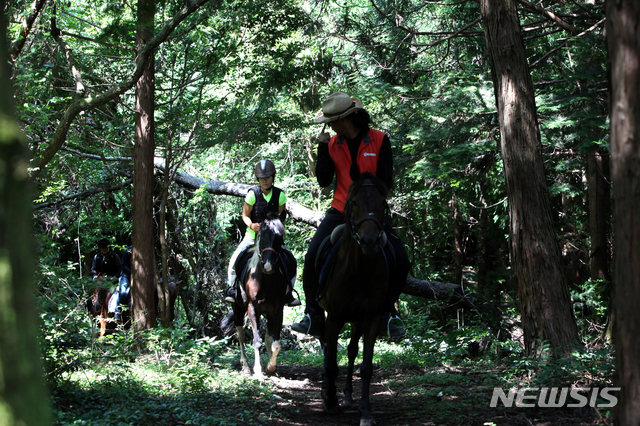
x,y
432,290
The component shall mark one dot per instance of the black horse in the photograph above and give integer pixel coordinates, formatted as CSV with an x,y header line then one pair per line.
x,y
358,291
263,290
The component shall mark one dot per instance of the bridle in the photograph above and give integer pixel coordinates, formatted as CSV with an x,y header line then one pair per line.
x,y
266,249
382,236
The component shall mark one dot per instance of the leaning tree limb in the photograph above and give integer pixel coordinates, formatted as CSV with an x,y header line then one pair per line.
x,y
433,290
295,210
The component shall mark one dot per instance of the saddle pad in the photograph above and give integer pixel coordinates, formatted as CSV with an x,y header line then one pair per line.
x,y
326,259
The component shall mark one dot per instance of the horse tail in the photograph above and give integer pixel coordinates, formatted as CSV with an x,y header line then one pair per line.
x,y
227,324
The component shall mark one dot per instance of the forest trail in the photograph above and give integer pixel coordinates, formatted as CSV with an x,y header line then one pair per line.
x,y
299,403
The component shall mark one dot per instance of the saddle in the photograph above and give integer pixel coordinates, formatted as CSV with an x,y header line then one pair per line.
x,y
327,255
288,264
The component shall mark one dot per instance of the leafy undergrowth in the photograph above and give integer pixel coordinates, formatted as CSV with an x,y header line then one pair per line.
x,y
429,380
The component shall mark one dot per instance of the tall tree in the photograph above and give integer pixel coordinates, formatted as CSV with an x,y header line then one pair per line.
x,y
142,259
23,396
599,214
545,305
623,39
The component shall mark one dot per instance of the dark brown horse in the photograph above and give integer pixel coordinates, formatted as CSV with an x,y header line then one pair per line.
x,y
357,291
262,293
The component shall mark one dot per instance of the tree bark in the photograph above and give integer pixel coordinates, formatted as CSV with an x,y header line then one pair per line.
x,y
623,39
23,396
142,258
458,252
164,309
544,298
599,213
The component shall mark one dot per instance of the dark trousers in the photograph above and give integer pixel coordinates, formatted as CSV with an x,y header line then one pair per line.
x,y
332,219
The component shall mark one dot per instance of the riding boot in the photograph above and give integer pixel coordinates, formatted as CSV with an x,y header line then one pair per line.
x,y
391,327
230,294
311,324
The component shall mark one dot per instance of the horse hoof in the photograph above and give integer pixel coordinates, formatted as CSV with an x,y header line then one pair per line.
x,y
348,401
367,422
334,409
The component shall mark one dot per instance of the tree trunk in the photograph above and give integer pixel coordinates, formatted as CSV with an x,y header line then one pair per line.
x,y
623,39
535,254
142,259
23,396
164,310
599,212
458,253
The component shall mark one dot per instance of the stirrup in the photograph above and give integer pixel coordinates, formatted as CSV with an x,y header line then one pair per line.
x,y
229,298
293,301
301,330
402,327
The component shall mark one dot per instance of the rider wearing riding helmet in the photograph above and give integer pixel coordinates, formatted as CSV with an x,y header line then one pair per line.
x,y
106,262
260,200
371,150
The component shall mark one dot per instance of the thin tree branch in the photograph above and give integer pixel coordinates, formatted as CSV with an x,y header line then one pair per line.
x,y
550,15
80,104
27,26
77,77
566,43
84,194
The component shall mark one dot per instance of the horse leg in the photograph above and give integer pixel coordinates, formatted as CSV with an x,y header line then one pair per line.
x,y
352,350
273,349
103,326
257,341
104,314
243,355
330,400
366,371
274,324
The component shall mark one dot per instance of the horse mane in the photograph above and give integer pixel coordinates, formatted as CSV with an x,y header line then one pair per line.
x,y
273,222
255,257
368,178
365,179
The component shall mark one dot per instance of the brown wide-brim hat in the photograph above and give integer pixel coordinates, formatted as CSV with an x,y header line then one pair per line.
x,y
337,106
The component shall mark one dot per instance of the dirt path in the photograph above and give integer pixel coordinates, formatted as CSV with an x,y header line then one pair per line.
x,y
299,388
299,403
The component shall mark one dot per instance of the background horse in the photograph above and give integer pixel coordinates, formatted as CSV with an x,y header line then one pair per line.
x,y
98,307
262,293
357,291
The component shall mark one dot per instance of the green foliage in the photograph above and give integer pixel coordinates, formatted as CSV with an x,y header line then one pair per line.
x,y
240,81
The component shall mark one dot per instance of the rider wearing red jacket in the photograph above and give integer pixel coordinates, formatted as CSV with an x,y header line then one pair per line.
x,y
371,150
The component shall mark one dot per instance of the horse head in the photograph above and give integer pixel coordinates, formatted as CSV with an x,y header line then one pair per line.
x,y
97,302
269,242
365,211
